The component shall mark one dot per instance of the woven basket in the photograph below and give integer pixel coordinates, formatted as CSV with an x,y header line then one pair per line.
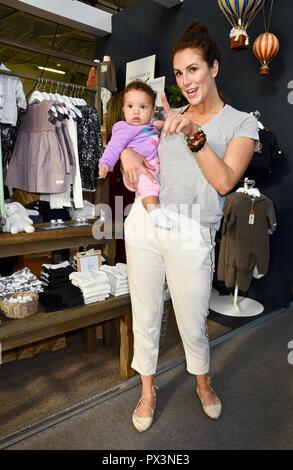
x,y
20,310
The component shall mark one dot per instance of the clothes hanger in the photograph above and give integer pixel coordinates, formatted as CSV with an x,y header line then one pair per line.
x,y
36,96
82,100
61,99
73,110
256,114
248,188
44,93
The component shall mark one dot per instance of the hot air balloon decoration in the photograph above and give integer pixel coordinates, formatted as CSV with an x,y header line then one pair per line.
x,y
240,14
265,48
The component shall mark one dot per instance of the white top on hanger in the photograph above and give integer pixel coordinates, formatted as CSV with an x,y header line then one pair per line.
x,y
12,96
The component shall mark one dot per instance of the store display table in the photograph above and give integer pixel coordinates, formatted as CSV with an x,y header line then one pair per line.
x,y
21,332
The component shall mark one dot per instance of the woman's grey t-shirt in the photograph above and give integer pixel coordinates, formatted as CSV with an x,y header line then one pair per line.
x,y
183,185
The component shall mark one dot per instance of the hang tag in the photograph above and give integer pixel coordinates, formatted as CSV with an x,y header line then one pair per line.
x,y
251,217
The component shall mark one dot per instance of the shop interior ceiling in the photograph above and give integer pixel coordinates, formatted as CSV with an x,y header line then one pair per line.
x,y
26,28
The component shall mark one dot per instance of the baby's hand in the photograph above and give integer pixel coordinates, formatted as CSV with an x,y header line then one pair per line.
x,y
103,170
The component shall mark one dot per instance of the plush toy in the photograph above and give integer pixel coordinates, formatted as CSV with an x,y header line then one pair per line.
x,y
17,219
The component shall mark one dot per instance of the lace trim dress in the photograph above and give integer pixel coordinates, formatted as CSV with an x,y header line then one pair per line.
x,y
41,159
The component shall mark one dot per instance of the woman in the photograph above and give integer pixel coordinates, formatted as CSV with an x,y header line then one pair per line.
x,y
198,167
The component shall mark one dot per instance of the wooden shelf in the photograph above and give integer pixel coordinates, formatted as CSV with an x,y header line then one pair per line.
x,y
51,240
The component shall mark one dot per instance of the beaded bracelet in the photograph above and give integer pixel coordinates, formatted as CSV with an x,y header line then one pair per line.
x,y
196,141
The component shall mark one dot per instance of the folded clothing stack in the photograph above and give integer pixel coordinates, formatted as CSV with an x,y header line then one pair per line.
x,y
61,298
55,275
22,280
117,276
93,284
59,293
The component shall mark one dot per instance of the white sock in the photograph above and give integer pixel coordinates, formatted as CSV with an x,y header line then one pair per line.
x,y
160,219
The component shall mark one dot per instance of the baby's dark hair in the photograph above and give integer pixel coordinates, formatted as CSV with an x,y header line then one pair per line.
x,y
197,36
141,86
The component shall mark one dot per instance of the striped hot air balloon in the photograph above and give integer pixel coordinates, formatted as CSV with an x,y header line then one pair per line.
x,y
240,14
265,48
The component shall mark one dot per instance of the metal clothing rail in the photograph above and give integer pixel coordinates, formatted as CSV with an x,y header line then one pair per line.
x,y
47,80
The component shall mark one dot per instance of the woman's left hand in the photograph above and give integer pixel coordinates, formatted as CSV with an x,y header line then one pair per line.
x,y
175,122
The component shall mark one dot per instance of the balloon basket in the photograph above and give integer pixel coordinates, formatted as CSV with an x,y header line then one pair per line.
x,y
264,70
240,44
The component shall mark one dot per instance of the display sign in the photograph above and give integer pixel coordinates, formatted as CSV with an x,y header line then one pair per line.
x,y
158,85
88,260
141,69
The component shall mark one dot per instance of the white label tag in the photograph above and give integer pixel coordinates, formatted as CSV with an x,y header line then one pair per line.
x,y
104,68
251,218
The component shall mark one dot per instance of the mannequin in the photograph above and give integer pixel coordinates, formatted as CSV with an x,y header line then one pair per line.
x,y
108,81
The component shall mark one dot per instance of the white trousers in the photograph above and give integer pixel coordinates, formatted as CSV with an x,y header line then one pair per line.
x,y
186,261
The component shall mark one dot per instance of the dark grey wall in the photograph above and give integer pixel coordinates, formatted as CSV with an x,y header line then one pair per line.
x,y
147,28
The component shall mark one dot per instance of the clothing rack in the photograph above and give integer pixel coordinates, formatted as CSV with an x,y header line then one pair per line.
x,y
96,91
234,305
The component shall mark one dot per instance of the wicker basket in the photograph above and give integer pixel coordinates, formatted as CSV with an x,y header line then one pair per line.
x,y
20,310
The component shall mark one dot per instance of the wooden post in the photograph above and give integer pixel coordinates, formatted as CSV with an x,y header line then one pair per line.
x,y
109,333
126,346
90,339
110,251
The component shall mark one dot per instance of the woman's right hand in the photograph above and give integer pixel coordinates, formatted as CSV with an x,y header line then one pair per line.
x,y
175,121
133,165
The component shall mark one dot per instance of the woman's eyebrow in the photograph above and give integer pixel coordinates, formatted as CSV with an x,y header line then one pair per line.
x,y
187,67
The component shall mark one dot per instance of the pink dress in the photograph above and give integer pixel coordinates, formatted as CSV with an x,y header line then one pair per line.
x,y
41,158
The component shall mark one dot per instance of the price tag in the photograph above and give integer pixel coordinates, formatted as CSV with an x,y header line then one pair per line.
x,y
251,217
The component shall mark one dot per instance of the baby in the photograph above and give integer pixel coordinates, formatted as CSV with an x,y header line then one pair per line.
x,y
138,134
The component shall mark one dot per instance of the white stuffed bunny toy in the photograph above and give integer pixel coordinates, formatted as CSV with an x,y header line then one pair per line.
x,y
17,219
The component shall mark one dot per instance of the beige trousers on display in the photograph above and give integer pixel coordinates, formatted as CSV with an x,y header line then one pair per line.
x,y
185,258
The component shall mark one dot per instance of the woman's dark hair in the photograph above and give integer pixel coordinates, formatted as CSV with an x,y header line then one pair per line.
x,y
197,36
114,114
141,86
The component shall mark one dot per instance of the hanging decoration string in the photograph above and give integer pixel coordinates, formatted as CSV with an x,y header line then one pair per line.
x,y
270,16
